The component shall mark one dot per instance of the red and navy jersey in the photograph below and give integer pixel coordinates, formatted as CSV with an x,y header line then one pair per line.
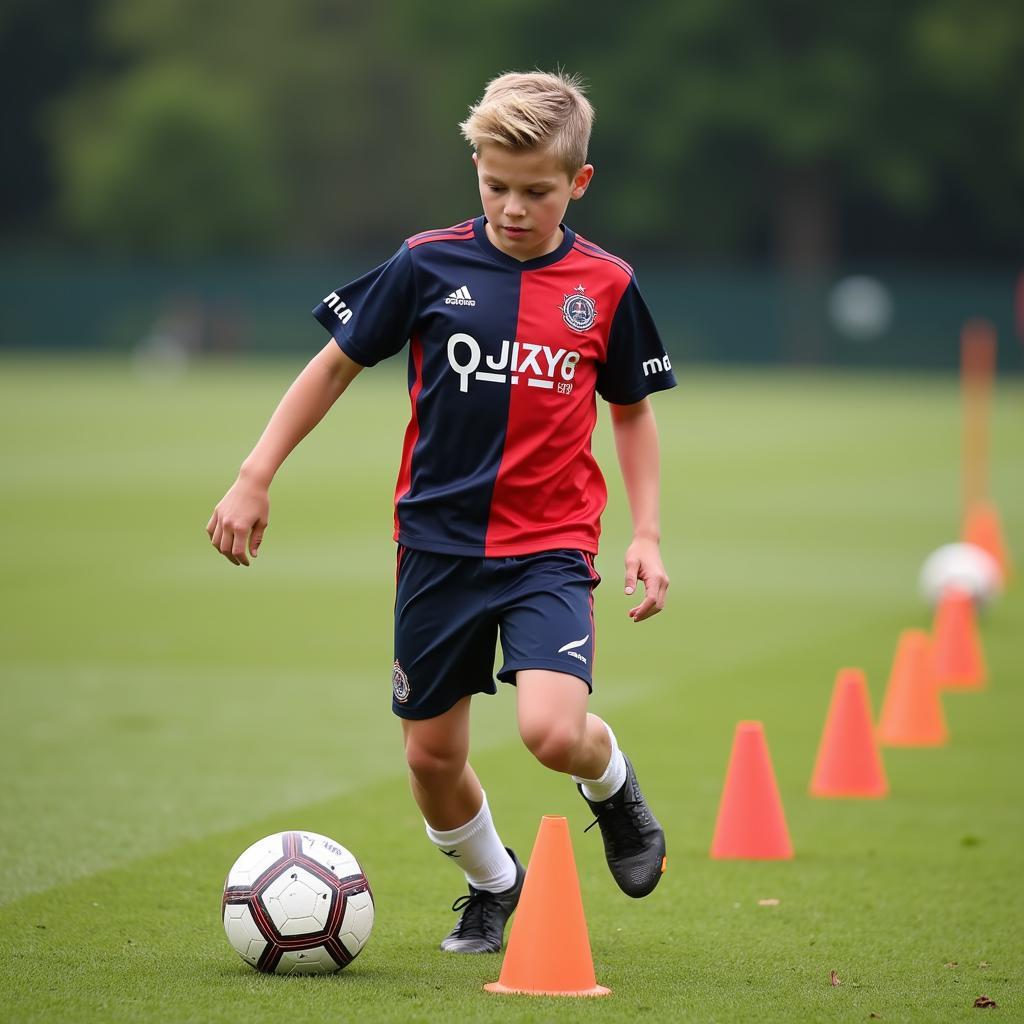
x,y
505,360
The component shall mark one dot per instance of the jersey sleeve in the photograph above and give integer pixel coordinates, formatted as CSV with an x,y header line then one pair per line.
x,y
372,317
637,364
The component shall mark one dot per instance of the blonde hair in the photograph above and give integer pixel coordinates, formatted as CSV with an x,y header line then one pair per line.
x,y
534,110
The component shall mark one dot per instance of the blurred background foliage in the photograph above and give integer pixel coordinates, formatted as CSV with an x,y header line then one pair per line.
x,y
726,128
784,134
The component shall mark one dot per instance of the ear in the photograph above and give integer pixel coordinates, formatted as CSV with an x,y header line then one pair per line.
x,y
476,160
581,180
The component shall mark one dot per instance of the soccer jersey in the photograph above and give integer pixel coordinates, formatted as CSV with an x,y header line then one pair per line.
x,y
505,360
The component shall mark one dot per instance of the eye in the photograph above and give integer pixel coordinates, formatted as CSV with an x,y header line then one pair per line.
x,y
536,194
496,189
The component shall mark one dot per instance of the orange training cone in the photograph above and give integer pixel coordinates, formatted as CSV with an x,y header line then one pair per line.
x,y
983,529
751,823
912,714
849,763
548,950
959,662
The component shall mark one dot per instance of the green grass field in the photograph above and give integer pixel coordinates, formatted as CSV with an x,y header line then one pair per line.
x,y
162,709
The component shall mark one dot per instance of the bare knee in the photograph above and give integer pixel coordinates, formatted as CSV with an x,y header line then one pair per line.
x,y
555,744
432,764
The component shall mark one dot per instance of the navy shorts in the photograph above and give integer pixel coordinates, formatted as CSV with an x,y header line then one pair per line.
x,y
451,609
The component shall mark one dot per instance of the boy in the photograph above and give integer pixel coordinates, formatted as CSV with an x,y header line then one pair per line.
x,y
514,322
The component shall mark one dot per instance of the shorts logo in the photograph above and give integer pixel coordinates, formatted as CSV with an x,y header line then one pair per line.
x,y
579,311
400,684
570,649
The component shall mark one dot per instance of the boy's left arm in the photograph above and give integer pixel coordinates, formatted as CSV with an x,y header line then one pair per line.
x,y
636,442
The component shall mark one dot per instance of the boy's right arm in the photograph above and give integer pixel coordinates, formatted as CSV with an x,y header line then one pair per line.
x,y
240,518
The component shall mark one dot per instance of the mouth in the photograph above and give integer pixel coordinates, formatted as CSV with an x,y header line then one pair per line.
x,y
514,232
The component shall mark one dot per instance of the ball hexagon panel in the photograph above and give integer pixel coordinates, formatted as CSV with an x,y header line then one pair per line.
x,y
297,901
357,922
307,961
327,852
242,932
255,860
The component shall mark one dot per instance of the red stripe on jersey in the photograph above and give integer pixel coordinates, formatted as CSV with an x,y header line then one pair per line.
x,y
462,226
549,492
412,431
440,238
590,249
458,232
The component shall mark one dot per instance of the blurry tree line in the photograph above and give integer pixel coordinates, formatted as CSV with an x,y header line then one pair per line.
x,y
791,130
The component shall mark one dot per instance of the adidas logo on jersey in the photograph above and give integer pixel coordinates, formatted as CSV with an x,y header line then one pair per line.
x,y
460,297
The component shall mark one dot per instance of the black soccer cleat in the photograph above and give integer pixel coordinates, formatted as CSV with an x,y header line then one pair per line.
x,y
634,842
481,928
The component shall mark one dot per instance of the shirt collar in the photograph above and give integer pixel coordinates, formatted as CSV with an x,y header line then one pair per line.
x,y
568,237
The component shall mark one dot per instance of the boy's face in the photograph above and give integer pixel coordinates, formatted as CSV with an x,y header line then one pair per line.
x,y
525,195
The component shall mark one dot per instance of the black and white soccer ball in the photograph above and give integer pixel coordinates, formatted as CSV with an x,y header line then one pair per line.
x,y
297,903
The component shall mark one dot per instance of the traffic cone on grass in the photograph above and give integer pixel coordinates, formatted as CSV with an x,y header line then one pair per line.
x,y
983,529
848,763
751,823
548,950
959,662
912,714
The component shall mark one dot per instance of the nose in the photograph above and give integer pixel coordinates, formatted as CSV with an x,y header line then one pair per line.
x,y
514,207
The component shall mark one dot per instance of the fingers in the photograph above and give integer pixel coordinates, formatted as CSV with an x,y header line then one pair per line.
x,y
238,555
227,543
223,538
644,610
632,568
256,538
238,522
656,590
218,530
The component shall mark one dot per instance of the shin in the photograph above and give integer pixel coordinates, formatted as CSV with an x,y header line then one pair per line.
x,y
443,783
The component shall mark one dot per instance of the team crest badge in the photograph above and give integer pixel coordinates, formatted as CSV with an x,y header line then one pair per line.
x,y
579,310
400,684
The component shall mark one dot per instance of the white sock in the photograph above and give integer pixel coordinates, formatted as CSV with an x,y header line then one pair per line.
x,y
476,848
612,777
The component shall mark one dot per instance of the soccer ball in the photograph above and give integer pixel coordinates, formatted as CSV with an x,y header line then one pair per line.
x,y
297,903
964,566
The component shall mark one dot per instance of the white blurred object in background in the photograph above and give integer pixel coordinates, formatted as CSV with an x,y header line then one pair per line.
x,y
964,566
860,307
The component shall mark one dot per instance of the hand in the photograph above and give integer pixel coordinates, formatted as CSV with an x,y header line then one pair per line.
x,y
643,562
240,518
